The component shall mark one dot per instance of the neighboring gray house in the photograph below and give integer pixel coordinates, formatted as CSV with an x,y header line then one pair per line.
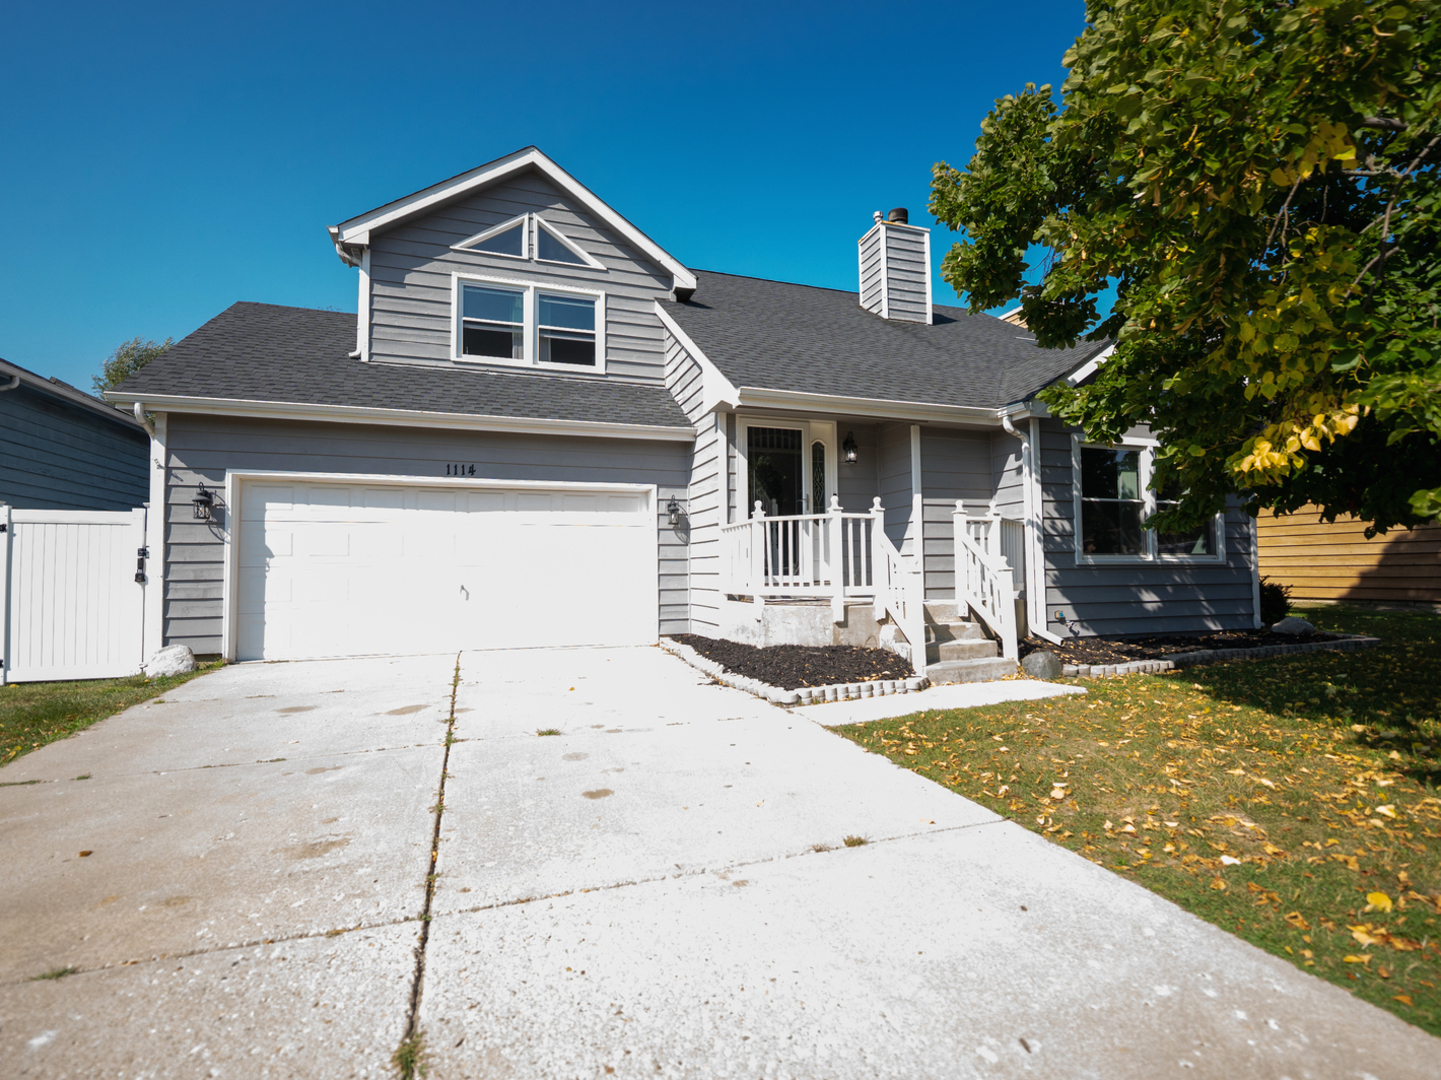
x,y
61,449
542,428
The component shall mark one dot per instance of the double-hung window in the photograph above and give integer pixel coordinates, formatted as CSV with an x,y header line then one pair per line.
x,y
493,323
520,323
1114,500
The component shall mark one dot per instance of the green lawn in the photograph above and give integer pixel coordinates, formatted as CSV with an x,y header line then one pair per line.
x,y
1292,801
33,714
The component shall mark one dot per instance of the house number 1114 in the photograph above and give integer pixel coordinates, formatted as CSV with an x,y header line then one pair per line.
x,y
453,469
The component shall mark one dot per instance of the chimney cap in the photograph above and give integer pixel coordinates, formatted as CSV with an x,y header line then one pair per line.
x,y
899,216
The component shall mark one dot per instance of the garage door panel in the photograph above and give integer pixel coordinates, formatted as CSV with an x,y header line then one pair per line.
x,y
336,570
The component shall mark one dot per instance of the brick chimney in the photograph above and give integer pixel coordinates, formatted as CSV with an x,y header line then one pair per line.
x,y
895,265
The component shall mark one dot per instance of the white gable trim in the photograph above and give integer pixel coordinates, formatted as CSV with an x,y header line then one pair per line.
x,y
716,389
357,230
1086,370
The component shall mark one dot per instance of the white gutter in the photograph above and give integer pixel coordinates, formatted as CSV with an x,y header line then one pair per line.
x,y
880,408
352,414
142,421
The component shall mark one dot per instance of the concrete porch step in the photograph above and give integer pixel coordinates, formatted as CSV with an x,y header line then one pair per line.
x,y
954,631
967,671
970,649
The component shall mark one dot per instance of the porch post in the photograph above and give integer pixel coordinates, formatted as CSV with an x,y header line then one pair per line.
x,y
878,558
962,563
835,549
758,559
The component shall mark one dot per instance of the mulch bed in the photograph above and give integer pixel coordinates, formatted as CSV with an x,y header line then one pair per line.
x,y
795,666
1123,650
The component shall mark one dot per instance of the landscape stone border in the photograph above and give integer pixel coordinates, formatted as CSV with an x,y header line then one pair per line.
x,y
777,695
1345,643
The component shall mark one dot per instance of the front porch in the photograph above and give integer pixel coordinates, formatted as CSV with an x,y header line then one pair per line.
x,y
838,578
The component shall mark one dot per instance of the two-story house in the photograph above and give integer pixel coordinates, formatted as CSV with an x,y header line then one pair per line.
x,y
541,428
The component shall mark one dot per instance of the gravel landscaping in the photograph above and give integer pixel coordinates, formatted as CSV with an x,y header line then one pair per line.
x,y
795,666
1125,650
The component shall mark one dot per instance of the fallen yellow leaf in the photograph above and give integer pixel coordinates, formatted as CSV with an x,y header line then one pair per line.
x,y
1356,959
1404,999
1218,884
1378,901
1296,919
1387,811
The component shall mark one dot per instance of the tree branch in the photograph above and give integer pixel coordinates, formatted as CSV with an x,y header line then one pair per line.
x,y
1284,211
1384,123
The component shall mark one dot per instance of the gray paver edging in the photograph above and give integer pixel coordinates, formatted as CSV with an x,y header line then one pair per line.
x,y
776,695
1345,643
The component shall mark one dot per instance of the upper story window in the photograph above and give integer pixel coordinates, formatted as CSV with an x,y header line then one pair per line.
x,y
1113,501
522,323
530,236
509,238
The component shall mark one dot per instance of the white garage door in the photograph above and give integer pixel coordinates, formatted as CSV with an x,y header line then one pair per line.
x,y
351,569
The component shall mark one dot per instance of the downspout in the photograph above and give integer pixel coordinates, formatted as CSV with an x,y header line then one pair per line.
x,y
1035,570
143,420
14,382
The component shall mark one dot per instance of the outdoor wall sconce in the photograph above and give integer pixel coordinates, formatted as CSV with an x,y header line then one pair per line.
x,y
849,446
672,508
203,503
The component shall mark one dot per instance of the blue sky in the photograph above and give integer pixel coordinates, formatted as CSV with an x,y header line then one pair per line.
x,y
163,161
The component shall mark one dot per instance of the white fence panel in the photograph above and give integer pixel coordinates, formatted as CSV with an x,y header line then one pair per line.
x,y
69,595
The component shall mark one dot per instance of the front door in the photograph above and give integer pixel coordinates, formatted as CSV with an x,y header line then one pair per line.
x,y
776,462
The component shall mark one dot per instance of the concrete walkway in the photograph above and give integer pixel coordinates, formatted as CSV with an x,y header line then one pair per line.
x,y
661,890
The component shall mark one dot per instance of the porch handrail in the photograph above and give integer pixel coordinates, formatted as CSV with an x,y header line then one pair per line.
x,y
984,580
900,590
826,556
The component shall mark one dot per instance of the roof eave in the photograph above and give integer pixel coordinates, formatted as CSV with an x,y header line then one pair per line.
x,y
360,414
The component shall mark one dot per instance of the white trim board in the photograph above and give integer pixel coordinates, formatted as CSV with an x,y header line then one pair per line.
x,y
234,478
355,414
356,231
716,390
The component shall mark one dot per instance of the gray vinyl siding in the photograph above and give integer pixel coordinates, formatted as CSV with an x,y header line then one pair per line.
x,y
704,508
893,482
205,448
1007,479
955,464
906,273
58,456
700,526
872,270
856,485
411,267
1135,598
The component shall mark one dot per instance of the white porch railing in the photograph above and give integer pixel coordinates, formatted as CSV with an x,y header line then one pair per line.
x,y
835,556
984,575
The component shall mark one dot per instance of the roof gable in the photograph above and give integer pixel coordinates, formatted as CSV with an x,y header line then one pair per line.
x,y
351,235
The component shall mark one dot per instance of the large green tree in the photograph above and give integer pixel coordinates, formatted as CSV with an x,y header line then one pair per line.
x,y
1258,180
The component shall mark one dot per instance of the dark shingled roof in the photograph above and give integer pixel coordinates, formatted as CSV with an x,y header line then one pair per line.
x,y
778,336
265,352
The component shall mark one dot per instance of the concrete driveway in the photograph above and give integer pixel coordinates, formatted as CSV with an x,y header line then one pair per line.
x,y
660,890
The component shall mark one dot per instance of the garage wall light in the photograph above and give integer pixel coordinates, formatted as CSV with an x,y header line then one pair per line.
x,y
672,509
203,503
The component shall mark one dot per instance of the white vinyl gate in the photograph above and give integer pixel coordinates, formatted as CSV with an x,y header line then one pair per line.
x,y
71,594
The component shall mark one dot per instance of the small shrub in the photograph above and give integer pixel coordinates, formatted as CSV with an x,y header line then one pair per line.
x,y
856,841
548,731
1275,601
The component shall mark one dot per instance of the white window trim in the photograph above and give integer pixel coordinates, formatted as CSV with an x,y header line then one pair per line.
x,y
469,243
530,341
566,242
1149,556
